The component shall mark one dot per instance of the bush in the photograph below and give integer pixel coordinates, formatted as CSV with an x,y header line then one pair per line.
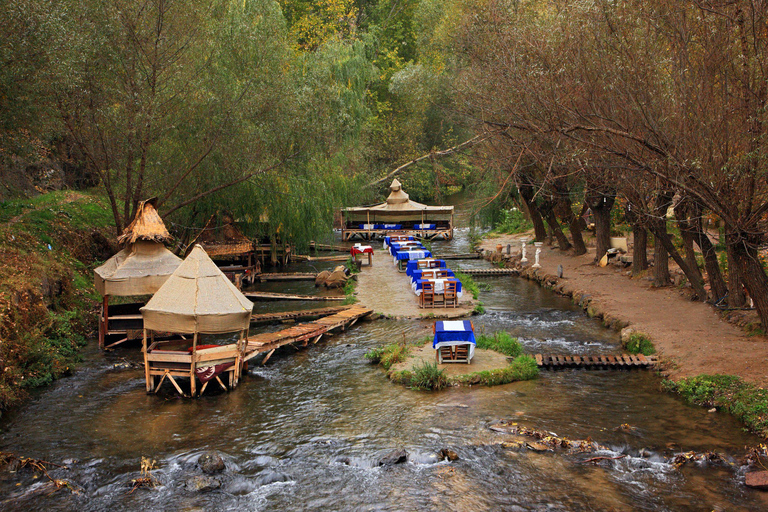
x,y
352,266
500,342
349,292
468,283
512,221
746,402
427,376
639,343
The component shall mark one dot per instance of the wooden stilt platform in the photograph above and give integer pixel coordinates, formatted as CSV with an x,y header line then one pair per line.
x,y
326,247
290,296
489,271
294,276
468,256
627,361
304,257
267,318
268,342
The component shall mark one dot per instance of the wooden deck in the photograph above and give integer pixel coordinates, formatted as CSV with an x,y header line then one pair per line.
x,y
291,296
489,271
266,318
268,342
286,276
627,361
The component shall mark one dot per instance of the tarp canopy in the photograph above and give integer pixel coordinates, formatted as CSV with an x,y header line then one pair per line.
x,y
398,206
197,297
139,269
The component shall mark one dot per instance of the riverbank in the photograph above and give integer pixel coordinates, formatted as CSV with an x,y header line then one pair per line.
x,y
691,337
49,245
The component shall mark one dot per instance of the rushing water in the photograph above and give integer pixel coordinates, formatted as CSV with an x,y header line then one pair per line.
x,y
305,431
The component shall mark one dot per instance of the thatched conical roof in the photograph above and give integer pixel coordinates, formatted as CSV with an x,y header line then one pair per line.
x,y
197,297
397,194
224,240
146,225
139,269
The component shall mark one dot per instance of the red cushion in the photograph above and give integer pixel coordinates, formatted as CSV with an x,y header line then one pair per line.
x,y
200,347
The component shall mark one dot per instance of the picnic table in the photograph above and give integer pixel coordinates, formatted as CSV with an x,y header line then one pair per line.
x,y
398,238
439,285
419,273
454,341
413,265
402,257
399,246
358,249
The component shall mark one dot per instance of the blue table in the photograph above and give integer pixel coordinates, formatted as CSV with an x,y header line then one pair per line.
x,y
414,265
450,333
389,226
425,226
417,273
439,285
405,246
388,240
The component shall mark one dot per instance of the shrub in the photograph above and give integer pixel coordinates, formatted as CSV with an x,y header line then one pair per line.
x,y
388,355
429,377
468,283
502,342
522,368
512,221
352,266
639,343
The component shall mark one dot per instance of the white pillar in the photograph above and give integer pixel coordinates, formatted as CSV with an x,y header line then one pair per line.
x,y
538,252
523,241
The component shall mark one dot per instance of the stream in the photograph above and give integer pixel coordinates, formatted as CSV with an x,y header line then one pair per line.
x,y
305,432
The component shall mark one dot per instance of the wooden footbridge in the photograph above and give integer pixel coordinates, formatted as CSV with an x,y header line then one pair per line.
x,y
596,362
303,334
268,318
291,296
489,271
285,276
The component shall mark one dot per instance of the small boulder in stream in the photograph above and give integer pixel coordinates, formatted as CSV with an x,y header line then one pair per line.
x,y
203,483
270,477
210,462
394,457
757,480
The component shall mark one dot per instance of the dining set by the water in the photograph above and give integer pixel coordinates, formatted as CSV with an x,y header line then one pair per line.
x,y
431,280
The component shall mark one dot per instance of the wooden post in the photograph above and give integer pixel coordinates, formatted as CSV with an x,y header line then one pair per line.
x,y
192,383
103,321
147,375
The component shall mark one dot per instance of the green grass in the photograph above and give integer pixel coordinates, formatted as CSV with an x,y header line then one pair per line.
x,y
352,265
349,292
468,283
639,343
512,221
388,355
746,402
522,368
427,376
500,342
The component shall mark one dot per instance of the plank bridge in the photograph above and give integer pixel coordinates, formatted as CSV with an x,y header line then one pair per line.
x,y
291,296
596,362
489,271
302,334
266,318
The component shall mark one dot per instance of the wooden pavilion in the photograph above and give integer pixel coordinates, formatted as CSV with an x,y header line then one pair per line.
x,y
398,214
196,300
139,269
233,252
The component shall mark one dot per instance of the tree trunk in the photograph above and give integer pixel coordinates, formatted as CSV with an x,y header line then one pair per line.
x,y
690,254
554,225
601,206
565,212
526,193
747,264
661,275
661,235
711,266
736,297
639,249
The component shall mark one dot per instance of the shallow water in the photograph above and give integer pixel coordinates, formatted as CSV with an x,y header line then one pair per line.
x,y
321,418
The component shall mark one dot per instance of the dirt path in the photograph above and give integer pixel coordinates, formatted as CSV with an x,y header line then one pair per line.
x,y
387,291
690,336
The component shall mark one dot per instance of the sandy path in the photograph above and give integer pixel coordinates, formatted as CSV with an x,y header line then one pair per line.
x,y
387,291
690,336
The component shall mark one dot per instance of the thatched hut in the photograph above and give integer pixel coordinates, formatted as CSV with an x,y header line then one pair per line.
x,y
197,299
139,269
233,252
398,214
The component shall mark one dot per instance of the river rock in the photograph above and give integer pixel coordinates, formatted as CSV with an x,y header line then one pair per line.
x,y
203,483
394,457
210,462
536,447
270,477
447,453
625,334
757,480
